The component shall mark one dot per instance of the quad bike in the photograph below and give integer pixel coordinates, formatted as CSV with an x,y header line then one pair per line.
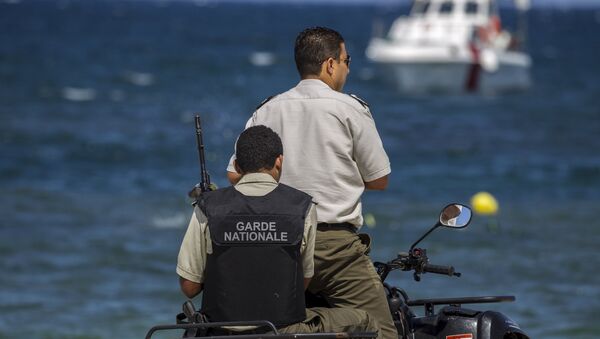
x,y
452,321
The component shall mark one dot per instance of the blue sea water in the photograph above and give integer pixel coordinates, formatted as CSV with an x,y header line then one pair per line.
x,y
97,152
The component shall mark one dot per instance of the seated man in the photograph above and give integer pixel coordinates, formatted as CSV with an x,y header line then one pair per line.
x,y
250,248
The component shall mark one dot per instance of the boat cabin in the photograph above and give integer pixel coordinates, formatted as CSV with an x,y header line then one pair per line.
x,y
450,21
457,9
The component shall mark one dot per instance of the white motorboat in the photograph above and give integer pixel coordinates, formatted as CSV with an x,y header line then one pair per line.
x,y
454,46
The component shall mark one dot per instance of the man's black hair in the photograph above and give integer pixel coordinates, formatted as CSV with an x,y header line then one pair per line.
x,y
257,148
313,46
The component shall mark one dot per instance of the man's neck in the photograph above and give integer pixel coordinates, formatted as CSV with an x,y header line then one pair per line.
x,y
266,172
317,77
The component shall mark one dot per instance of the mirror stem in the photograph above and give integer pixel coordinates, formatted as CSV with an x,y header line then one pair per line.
x,y
425,235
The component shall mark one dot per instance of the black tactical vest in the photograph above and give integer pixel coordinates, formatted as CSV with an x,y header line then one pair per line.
x,y
255,271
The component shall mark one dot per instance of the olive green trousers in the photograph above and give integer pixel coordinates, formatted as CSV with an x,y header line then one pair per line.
x,y
346,277
320,319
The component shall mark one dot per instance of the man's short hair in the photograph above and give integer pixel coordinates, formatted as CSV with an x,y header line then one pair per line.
x,y
257,148
313,46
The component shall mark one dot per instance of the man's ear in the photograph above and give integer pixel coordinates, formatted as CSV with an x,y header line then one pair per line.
x,y
276,170
279,162
329,65
237,167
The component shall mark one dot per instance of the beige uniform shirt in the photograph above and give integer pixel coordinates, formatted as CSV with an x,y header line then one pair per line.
x,y
330,147
196,244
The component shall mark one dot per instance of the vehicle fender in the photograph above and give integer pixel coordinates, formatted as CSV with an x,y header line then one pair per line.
x,y
493,325
458,322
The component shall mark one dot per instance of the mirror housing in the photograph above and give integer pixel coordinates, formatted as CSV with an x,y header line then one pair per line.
x,y
455,216
452,216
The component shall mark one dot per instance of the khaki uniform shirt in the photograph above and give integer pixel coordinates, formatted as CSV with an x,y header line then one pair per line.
x,y
196,244
330,147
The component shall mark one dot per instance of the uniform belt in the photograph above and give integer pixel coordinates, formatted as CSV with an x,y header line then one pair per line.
x,y
324,226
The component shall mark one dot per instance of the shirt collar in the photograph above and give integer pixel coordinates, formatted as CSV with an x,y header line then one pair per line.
x,y
256,177
313,82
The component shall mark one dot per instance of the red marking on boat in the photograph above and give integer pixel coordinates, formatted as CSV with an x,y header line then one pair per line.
x,y
474,70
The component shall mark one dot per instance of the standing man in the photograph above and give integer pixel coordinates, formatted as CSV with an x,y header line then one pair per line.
x,y
250,247
333,152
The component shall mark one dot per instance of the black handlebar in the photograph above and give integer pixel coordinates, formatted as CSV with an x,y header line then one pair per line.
x,y
445,270
416,260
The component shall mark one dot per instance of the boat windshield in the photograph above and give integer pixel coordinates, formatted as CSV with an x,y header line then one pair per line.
x,y
420,7
471,7
446,7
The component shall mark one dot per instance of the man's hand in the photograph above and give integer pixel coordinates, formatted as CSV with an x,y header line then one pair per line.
x,y
306,283
195,192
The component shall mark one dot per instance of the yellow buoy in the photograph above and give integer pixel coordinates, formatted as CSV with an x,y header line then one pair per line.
x,y
484,203
370,221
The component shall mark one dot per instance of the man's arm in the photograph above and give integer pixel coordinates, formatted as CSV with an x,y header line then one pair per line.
x,y
369,154
308,253
190,288
233,177
191,260
306,282
378,184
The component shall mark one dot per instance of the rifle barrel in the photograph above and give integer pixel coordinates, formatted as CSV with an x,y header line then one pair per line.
x,y
204,177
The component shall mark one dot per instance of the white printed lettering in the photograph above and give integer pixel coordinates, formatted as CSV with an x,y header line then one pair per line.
x,y
255,231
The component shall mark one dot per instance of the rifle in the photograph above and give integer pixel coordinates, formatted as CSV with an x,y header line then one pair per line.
x,y
204,184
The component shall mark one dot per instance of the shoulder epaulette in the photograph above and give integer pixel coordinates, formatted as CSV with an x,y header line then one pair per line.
x,y
265,101
362,102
